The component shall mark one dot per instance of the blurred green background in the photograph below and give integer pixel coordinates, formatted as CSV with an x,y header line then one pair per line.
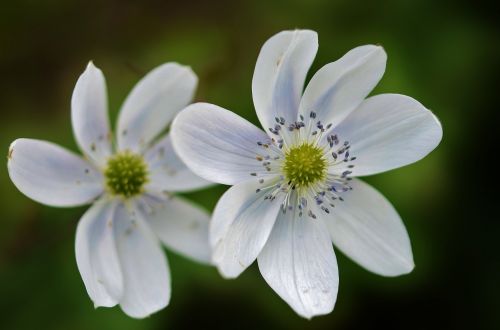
x,y
443,53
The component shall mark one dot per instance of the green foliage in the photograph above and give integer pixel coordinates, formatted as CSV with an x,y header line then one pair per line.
x,y
442,53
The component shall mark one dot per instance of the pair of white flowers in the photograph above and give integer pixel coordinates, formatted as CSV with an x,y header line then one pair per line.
x,y
293,187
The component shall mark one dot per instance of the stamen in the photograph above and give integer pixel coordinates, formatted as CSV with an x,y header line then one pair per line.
x,y
310,173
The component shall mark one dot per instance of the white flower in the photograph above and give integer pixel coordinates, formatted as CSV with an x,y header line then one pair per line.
x,y
117,249
294,191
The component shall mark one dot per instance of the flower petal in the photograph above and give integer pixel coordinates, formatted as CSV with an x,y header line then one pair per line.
x,y
145,269
241,224
96,255
388,131
280,73
153,103
367,228
299,263
52,175
168,172
217,144
339,87
181,226
89,106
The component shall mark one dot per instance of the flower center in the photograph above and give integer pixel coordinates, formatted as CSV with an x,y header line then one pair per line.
x,y
304,165
126,173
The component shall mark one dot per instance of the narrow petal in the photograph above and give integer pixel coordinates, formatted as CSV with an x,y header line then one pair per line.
x,y
153,103
89,115
298,262
339,87
145,269
96,255
389,131
168,172
280,73
181,226
241,224
217,144
369,230
52,175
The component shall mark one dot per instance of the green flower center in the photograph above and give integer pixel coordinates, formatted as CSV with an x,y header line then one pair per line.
x,y
126,173
304,165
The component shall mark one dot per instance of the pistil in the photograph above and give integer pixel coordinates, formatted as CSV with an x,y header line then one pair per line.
x,y
126,174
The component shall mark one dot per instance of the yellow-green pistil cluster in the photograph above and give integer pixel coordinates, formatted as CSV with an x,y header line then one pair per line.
x,y
304,165
126,174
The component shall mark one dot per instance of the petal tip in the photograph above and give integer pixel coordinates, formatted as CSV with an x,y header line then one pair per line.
x,y
296,33
104,304
226,275
409,267
375,50
309,315
378,48
228,272
91,67
405,268
10,153
187,68
308,32
181,67
438,122
144,312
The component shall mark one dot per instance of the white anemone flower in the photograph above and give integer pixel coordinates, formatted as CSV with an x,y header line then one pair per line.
x,y
129,185
294,190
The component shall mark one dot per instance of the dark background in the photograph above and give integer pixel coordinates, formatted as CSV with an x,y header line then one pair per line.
x,y
443,53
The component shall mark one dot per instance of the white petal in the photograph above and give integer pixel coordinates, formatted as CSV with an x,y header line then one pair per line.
x,y
389,131
280,73
298,262
153,103
52,175
145,269
96,255
217,144
241,224
369,230
339,87
181,226
168,172
89,107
